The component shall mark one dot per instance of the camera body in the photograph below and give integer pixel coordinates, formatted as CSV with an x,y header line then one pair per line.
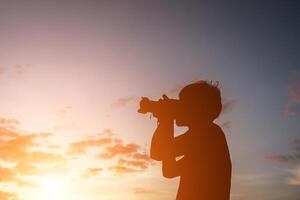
x,y
158,108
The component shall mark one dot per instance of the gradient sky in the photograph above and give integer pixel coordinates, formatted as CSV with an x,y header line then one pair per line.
x,y
72,72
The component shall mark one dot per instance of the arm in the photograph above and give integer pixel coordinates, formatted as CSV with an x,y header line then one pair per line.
x,y
161,139
166,148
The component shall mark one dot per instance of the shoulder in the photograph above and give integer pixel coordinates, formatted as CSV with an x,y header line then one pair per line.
x,y
217,132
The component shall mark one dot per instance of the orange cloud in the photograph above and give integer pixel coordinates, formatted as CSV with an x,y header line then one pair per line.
x,y
141,156
295,179
119,149
8,196
2,70
120,170
133,163
91,172
6,174
81,146
16,151
14,147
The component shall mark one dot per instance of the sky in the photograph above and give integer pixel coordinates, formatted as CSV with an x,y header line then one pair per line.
x,y
72,74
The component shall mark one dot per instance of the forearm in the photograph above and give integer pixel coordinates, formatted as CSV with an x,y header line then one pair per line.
x,y
162,140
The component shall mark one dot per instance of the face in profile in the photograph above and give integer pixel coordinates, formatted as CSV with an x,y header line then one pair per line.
x,y
198,103
187,112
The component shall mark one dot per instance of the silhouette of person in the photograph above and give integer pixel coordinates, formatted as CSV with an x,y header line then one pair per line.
x,y
205,165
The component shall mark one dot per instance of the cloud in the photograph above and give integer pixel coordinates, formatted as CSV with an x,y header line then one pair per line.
x,y
121,170
8,196
2,70
91,172
9,123
292,107
291,158
20,69
133,163
15,147
295,179
141,156
127,157
6,174
119,149
279,158
295,93
16,150
81,146
124,101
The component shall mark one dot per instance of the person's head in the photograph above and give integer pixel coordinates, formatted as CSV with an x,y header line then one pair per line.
x,y
199,102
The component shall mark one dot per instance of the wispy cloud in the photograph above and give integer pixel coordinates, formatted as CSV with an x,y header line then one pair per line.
x,y
119,149
8,196
9,123
2,70
126,157
19,69
91,172
14,70
81,146
121,170
279,158
295,93
291,158
295,178
292,107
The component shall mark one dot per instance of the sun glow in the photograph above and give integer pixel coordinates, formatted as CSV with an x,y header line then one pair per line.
x,y
51,187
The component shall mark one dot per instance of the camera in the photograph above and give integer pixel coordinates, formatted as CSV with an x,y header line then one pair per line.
x,y
158,108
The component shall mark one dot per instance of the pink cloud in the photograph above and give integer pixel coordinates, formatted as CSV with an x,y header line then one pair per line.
x,y
295,93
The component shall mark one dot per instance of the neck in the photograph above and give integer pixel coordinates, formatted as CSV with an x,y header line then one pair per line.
x,y
200,125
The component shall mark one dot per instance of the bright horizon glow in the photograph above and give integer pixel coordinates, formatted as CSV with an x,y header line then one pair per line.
x,y
51,187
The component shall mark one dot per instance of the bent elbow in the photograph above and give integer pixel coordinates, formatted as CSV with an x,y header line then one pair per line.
x,y
169,173
166,175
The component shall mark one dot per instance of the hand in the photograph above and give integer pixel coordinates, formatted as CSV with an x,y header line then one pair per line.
x,y
166,111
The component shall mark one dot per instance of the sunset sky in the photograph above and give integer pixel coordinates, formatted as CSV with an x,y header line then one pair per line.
x,y
72,74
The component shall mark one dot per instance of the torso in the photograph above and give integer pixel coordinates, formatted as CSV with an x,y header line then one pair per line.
x,y
206,166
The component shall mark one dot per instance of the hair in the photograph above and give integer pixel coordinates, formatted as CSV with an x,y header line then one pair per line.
x,y
205,94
